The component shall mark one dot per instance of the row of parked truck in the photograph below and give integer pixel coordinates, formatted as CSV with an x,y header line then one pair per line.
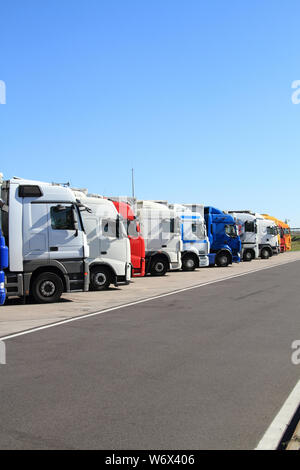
x,y
57,239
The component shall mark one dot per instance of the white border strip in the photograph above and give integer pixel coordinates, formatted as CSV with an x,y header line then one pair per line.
x,y
276,430
149,299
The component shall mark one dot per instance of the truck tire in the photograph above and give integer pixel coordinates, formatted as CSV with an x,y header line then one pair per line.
x,y
265,253
248,255
223,260
100,278
189,263
47,288
159,267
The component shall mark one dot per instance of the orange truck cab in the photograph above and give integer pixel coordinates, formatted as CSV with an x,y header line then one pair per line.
x,y
284,233
137,242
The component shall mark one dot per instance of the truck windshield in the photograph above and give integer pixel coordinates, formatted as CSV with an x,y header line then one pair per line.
x,y
231,231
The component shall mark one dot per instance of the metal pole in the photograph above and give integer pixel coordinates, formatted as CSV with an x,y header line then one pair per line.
x,y
132,182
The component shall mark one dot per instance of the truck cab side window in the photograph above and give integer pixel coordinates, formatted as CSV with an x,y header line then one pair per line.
x,y
132,230
230,230
171,225
62,218
110,228
249,227
166,226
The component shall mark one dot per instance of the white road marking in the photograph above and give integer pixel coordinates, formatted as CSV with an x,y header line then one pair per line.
x,y
273,435
136,302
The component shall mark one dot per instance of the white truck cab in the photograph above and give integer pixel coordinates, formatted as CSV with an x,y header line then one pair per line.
x,y
267,231
48,247
194,238
160,227
264,238
110,258
247,229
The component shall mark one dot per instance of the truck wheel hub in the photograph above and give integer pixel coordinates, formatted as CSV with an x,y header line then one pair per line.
x,y
190,263
47,288
100,279
159,267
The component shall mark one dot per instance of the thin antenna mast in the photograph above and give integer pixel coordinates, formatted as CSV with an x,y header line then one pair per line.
x,y
132,182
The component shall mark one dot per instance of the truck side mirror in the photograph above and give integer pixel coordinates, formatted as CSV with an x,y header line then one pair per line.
x,y
75,222
60,207
118,226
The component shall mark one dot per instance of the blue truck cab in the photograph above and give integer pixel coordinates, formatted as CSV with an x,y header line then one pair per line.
x,y
225,243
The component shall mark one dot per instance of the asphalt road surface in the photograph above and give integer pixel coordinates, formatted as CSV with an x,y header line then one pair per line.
x,y
207,368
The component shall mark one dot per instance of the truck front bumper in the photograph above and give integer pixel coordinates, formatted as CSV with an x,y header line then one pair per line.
x,y
212,259
175,266
126,278
203,261
236,258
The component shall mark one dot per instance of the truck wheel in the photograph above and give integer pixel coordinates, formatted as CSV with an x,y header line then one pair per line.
x,y
188,263
248,255
265,253
159,267
222,260
47,288
100,278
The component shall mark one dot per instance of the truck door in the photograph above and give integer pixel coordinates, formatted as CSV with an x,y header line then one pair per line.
x,y
250,232
113,244
190,229
263,233
152,230
91,225
219,236
65,232
136,243
165,234
35,231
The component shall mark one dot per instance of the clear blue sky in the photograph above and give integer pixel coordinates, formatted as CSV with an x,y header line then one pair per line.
x,y
194,94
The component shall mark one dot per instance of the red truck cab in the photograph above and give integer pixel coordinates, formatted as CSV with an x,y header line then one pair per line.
x,y
137,243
